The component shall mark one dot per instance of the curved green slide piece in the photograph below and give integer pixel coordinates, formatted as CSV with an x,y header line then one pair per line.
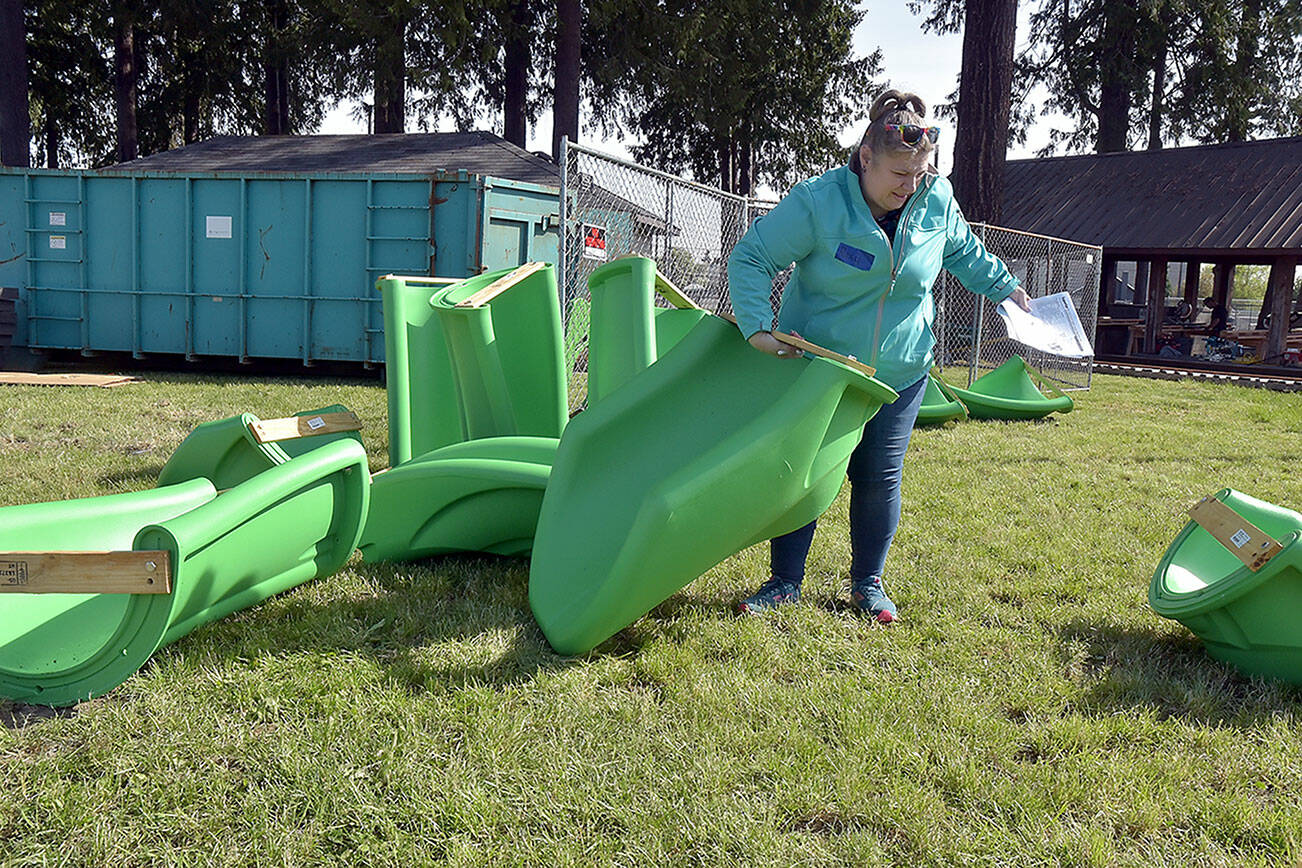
x,y
292,523
483,495
675,471
939,404
418,384
506,357
226,452
1009,392
1245,618
627,332
672,325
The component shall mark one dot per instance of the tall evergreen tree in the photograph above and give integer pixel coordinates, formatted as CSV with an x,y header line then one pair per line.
x,y
740,92
984,102
1210,70
69,82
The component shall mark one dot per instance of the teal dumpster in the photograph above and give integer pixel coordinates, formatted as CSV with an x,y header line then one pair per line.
x,y
275,265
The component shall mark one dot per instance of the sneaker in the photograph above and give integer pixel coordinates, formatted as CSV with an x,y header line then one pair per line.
x,y
773,593
867,595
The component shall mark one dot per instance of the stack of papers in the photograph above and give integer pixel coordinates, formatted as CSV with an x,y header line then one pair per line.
x,y
1051,326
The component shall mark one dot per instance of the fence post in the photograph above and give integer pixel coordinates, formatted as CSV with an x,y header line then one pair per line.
x,y
563,216
980,321
669,223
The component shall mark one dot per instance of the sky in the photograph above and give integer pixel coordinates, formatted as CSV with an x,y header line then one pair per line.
x,y
912,60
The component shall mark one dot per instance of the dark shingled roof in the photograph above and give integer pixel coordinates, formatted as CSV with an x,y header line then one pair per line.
x,y
1241,196
478,153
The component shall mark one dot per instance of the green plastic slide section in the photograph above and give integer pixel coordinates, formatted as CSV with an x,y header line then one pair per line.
x,y
713,448
673,324
1009,392
939,404
483,496
226,452
422,399
287,525
622,342
628,333
1245,618
506,356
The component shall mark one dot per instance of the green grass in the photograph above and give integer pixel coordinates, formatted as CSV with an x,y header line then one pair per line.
x,y
1030,710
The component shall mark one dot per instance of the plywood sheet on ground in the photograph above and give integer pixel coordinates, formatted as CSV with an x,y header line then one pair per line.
x,y
103,381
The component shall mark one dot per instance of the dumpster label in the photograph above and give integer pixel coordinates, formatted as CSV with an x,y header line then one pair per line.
x,y
1240,538
13,572
58,242
58,218
594,241
218,227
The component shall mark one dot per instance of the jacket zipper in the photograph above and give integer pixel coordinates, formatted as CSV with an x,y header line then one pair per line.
x,y
881,305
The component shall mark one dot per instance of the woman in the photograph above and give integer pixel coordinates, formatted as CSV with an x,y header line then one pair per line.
x,y
868,240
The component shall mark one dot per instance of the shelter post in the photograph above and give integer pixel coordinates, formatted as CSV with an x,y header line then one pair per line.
x,y
1192,272
1156,301
1280,292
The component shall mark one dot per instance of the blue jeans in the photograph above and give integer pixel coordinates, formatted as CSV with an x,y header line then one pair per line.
x,y
875,472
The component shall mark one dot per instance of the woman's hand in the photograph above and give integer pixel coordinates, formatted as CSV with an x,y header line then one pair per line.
x,y
1021,299
766,343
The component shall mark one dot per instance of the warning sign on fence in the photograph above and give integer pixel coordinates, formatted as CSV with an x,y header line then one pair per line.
x,y
594,241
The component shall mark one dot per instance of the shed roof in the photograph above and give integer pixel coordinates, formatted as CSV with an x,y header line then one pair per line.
x,y
477,152
1232,198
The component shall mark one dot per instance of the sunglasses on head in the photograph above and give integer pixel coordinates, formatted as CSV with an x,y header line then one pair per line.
x,y
911,134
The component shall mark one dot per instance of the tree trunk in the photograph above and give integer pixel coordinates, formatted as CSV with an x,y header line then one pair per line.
x,y
565,100
15,121
514,125
275,68
391,82
744,167
725,164
126,77
191,108
1115,79
1159,86
985,90
52,140
1239,111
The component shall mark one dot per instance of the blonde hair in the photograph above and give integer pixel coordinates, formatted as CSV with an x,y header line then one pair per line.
x,y
895,107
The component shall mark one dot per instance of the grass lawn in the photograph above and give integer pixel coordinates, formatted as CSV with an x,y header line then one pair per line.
x,y
1029,710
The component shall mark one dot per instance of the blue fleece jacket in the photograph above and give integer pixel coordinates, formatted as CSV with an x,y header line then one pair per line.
x,y
852,291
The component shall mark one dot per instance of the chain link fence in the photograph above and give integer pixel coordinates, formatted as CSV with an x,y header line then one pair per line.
x,y
612,207
970,335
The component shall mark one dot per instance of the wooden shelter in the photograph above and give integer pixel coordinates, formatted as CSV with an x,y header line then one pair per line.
x,y
1223,205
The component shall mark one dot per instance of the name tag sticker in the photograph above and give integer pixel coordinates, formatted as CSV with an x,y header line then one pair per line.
x,y
861,259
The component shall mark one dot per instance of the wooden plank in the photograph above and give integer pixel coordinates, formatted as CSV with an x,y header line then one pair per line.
x,y
672,294
816,350
501,285
269,430
103,381
144,572
417,279
1245,541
